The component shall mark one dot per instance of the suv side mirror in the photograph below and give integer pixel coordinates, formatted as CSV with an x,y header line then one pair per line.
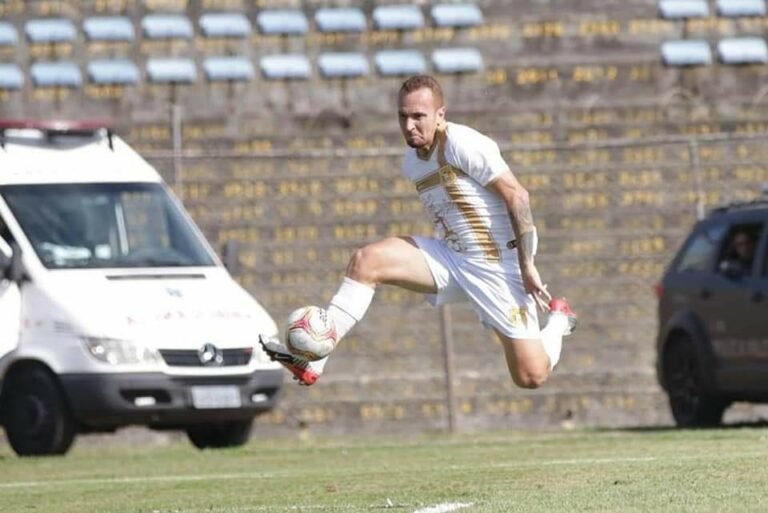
x,y
732,269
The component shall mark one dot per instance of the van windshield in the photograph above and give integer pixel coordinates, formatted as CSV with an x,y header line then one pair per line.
x,y
105,225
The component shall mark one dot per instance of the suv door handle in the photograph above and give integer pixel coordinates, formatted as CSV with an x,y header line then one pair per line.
x,y
705,294
758,297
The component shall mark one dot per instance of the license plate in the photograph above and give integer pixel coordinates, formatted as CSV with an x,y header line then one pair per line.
x,y
213,397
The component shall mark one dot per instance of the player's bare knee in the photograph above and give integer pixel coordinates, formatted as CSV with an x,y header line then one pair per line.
x,y
364,265
530,379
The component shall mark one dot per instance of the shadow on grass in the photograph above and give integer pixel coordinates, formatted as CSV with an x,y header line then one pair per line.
x,y
763,423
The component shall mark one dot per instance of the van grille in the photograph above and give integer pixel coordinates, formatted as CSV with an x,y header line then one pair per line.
x,y
190,358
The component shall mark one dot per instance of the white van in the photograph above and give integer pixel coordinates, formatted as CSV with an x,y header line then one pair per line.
x,y
114,310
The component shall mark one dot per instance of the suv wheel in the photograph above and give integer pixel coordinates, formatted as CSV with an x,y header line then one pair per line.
x,y
217,435
691,398
37,418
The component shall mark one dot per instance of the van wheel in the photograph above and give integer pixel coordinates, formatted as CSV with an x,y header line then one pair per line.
x,y
37,417
688,384
216,435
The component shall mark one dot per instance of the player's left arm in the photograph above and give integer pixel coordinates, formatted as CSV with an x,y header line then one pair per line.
x,y
518,203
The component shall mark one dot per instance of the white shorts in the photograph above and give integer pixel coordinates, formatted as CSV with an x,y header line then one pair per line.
x,y
495,289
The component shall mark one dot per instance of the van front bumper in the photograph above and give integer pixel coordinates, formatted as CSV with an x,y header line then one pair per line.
x,y
108,401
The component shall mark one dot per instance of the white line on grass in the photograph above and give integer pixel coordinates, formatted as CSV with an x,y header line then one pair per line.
x,y
445,507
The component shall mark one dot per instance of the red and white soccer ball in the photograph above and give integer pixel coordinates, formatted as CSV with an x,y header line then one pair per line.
x,y
310,334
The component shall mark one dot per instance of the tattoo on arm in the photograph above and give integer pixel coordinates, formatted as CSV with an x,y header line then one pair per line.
x,y
522,222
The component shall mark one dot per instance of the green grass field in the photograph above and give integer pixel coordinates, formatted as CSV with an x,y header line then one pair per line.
x,y
612,471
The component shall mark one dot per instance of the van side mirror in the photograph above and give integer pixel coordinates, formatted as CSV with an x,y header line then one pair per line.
x,y
11,266
229,255
732,269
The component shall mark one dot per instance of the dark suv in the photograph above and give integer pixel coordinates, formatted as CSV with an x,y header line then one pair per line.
x,y
712,344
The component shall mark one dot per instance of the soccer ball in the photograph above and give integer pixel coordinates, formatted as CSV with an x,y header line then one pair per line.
x,y
310,334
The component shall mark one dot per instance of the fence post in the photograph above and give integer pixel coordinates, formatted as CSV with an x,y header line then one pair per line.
x,y
446,329
176,137
693,156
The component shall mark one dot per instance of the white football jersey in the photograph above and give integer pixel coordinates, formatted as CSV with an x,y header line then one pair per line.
x,y
451,183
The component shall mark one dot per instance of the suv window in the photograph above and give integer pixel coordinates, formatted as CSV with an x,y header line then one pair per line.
x,y
700,252
738,251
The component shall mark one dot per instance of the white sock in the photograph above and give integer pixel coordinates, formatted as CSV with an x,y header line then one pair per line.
x,y
349,305
552,337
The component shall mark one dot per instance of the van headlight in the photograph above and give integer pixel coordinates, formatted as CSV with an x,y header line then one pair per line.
x,y
120,352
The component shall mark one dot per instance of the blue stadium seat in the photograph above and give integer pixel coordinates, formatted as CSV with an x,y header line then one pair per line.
x,y
742,50
282,22
171,71
228,69
166,26
227,24
11,77
341,19
50,31
457,60
108,28
686,52
342,65
398,17
113,72
456,15
8,34
287,66
400,62
679,9
739,8
56,74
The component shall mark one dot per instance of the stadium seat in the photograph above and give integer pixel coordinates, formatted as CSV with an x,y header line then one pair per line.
x,y
398,17
456,15
113,72
50,31
171,71
400,62
8,34
686,52
11,77
288,66
742,50
457,60
56,74
680,9
341,19
166,26
228,24
110,28
342,65
228,69
740,8
282,22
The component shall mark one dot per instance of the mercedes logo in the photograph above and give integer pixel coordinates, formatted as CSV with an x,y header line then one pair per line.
x,y
210,355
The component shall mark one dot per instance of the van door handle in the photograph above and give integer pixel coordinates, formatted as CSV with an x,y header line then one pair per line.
x,y
758,297
705,294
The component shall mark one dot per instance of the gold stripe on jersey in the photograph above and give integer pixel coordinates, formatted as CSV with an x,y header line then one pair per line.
x,y
481,232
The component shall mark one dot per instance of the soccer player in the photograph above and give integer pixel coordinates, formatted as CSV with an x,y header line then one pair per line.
x,y
483,251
